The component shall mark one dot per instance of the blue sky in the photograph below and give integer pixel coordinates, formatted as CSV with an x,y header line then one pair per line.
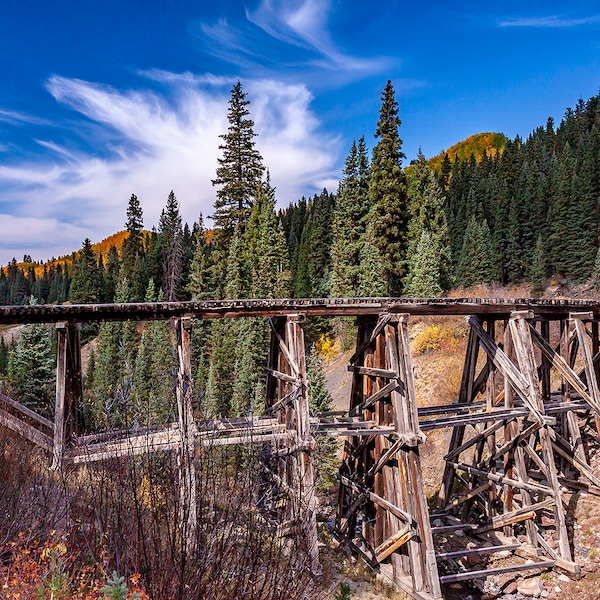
x,y
99,100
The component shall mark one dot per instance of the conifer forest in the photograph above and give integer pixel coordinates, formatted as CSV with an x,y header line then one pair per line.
x,y
514,211
522,210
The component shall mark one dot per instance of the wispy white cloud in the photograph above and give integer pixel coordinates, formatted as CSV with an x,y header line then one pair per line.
x,y
302,25
551,21
157,142
16,118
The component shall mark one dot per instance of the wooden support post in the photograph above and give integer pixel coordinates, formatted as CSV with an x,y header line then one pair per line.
x,y
546,364
295,343
588,364
525,356
408,422
188,520
465,397
287,379
383,391
68,413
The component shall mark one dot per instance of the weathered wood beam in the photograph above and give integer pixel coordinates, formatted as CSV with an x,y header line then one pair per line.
x,y
210,309
68,412
27,411
393,543
483,573
27,431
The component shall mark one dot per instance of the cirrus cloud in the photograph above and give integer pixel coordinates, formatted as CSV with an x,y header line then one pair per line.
x,y
154,141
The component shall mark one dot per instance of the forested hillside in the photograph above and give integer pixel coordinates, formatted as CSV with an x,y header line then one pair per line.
x,y
512,211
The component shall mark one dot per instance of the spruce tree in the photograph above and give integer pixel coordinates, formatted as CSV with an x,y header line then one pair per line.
x,y
170,239
427,207
3,357
86,287
372,281
267,263
596,271
349,223
113,266
198,286
476,264
153,392
388,193
32,369
319,398
425,270
538,267
240,168
133,248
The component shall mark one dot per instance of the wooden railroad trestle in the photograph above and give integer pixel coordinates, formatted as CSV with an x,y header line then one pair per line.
x,y
525,408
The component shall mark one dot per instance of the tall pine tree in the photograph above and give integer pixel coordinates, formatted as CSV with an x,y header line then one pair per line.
x,y
388,193
240,168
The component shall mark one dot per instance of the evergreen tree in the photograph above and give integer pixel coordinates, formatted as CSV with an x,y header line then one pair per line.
x,y
265,249
596,271
112,274
349,223
133,248
313,275
32,369
427,207
319,398
170,235
267,263
17,286
538,268
86,286
425,270
240,168
476,263
372,275
198,286
3,357
155,372
388,193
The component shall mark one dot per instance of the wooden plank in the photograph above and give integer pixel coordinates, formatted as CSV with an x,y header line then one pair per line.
x,y
386,390
383,460
582,467
590,371
27,431
60,401
482,574
515,516
524,347
373,372
506,367
283,377
484,551
283,347
392,544
395,510
27,411
426,548
382,321
531,487
559,363
474,440
211,309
